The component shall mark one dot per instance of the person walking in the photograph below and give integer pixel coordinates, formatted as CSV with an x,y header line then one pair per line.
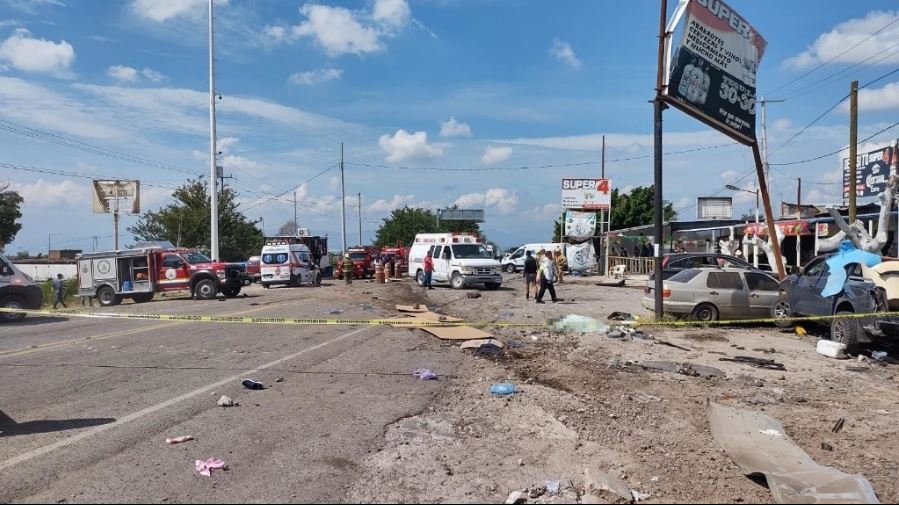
x,y
561,264
348,269
429,271
530,274
60,290
547,279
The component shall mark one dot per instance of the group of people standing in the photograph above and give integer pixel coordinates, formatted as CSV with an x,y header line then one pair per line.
x,y
544,270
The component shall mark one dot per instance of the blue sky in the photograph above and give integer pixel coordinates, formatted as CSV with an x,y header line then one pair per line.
x,y
462,84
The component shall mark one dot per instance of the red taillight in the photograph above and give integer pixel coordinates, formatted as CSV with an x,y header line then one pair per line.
x,y
666,293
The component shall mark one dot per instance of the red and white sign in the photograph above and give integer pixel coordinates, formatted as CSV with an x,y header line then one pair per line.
x,y
586,193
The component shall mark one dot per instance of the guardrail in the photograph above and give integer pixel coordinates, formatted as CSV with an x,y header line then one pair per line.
x,y
633,265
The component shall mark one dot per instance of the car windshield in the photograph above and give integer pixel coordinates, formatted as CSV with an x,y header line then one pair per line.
x,y
470,251
195,257
357,255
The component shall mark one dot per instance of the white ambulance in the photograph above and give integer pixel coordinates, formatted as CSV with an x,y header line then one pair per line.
x,y
514,262
459,259
285,262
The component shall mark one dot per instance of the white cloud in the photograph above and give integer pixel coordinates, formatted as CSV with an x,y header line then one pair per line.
x,y
152,75
339,31
629,142
877,99
122,73
495,154
317,76
37,55
256,169
819,197
561,50
727,175
453,128
334,183
224,144
386,206
500,198
32,6
47,194
781,124
546,211
404,146
164,10
830,45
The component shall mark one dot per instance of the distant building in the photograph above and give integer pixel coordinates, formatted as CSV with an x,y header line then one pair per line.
x,y
61,255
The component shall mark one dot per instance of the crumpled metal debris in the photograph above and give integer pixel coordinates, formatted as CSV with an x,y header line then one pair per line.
x,y
758,444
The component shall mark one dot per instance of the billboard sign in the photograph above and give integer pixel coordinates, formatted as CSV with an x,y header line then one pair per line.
x,y
116,195
872,173
461,215
714,208
713,75
580,225
586,193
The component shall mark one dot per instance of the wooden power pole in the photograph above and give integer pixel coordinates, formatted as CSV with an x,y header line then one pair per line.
x,y
853,148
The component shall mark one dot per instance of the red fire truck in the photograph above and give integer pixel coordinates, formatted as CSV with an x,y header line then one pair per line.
x,y
363,258
152,267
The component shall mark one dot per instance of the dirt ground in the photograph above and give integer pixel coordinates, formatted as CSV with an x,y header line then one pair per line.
x,y
588,401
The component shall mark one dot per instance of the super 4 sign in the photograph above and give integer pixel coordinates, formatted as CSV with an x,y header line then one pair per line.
x,y
586,193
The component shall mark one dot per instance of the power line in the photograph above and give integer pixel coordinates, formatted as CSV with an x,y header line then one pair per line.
x,y
537,167
275,197
824,82
69,173
806,127
807,160
734,182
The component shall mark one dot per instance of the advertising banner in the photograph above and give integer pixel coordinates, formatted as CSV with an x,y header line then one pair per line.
x,y
579,225
586,193
789,228
714,72
581,256
872,172
108,194
714,208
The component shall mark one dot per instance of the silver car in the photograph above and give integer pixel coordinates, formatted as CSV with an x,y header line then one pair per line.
x,y
710,294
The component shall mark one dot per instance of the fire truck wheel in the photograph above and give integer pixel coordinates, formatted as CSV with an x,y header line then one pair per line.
x,y
107,296
205,289
142,297
231,291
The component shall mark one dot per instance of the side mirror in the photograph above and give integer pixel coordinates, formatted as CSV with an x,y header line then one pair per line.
x,y
795,271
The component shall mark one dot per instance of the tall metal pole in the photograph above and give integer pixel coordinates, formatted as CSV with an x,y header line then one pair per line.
x,y
658,107
359,208
296,225
765,138
115,223
755,245
603,173
342,204
213,181
853,148
799,198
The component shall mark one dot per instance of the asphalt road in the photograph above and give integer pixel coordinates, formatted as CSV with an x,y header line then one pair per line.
x,y
88,403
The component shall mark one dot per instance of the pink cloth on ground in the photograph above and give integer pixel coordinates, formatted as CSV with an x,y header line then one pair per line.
x,y
205,467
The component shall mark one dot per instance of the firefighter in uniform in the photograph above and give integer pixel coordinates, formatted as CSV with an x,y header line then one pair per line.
x,y
348,269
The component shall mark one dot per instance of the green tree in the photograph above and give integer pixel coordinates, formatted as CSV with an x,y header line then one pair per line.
x,y
289,228
636,208
403,224
557,231
185,222
10,204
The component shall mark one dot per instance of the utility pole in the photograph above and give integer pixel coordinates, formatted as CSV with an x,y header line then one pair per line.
x,y
342,204
359,208
658,107
296,225
799,198
603,165
853,149
764,102
213,191
115,223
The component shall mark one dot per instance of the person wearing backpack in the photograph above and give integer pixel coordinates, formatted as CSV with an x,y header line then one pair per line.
x,y
548,277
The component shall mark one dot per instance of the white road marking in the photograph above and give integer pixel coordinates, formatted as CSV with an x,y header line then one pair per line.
x,y
152,409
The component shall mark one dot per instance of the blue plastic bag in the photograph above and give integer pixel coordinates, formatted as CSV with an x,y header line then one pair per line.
x,y
503,389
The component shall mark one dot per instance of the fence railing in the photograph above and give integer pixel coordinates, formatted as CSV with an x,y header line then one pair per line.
x,y
633,265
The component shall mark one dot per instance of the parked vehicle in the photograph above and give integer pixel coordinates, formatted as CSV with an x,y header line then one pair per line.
x,y
284,263
712,294
17,291
254,269
459,259
398,255
151,267
801,295
318,246
514,262
363,258
674,263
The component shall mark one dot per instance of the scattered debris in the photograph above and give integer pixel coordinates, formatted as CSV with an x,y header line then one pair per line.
x,y
252,384
800,331
179,439
855,368
765,350
879,355
831,349
515,343
226,402
335,311
205,467
641,335
837,427
503,389
367,307
475,344
615,284
792,475
759,363
280,380
516,497
615,334
506,313
553,486
619,316
577,323
473,295
826,447
684,368
666,343
424,374
605,487
640,496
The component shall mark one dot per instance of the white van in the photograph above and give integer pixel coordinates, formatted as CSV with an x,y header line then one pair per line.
x,y
459,259
514,261
287,264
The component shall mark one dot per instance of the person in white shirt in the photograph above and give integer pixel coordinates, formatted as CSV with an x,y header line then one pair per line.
x,y
548,275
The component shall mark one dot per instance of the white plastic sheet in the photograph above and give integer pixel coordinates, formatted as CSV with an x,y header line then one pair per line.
x,y
579,225
581,256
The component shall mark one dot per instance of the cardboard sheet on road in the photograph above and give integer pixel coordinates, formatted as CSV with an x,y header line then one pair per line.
x,y
758,444
450,333
477,343
412,309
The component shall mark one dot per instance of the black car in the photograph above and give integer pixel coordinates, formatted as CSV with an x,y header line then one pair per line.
x,y
676,262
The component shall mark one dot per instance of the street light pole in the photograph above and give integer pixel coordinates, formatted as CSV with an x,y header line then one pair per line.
x,y
755,247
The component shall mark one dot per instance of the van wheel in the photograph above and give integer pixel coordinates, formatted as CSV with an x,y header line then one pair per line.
x,y
705,312
420,277
205,289
510,268
107,296
11,302
457,282
266,285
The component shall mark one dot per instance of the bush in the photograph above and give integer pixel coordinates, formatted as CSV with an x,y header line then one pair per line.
x,y
70,286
